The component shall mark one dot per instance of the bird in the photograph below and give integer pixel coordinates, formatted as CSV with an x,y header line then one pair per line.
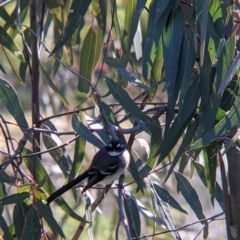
x,y
107,165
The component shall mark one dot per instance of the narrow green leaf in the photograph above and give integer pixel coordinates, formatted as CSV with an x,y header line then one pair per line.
x,y
123,98
54,5
87,60
218,190
14,198
8,43
19,217
133,169
144,210
203,29
84,132
154,30
79,151
4,177
46,213
12,103
75,17
156,71
191,130
189,61
4,227
210,163
2,194
133,216
5,15
32,226
51,84
172,40
160,204
207,118
229,121
130,78
230,74
156,139
56,154
36,168
2,69
167,198
115,62
179,125
166,214
133,10
190,195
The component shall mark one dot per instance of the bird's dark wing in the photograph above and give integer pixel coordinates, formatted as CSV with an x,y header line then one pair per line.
x,y
66,187
99,170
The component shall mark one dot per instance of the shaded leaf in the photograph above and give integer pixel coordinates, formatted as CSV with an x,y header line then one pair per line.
x,y
84,132
218,190
156,139
179,124
12,103
32,226
229,121
133,216
56,154
167,198
4,177
75,17
46,213
172,40
210,163
51,84
14,198
36,168
54,5
130,78
191,130
19,217
155,26
124,99
190,195
5,229
144,210
115,62
79,151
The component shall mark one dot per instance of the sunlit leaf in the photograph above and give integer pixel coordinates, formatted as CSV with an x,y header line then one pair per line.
x,y
9,43
87,62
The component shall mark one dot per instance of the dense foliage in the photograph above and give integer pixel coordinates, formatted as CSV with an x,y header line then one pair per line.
x,y
162,75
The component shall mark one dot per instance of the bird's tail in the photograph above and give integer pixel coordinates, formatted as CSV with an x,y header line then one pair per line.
x,y
66,187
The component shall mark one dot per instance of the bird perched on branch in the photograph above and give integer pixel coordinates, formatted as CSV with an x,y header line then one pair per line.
x,y
107,165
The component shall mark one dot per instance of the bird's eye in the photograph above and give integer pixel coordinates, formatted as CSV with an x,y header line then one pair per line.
x,y
109,145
